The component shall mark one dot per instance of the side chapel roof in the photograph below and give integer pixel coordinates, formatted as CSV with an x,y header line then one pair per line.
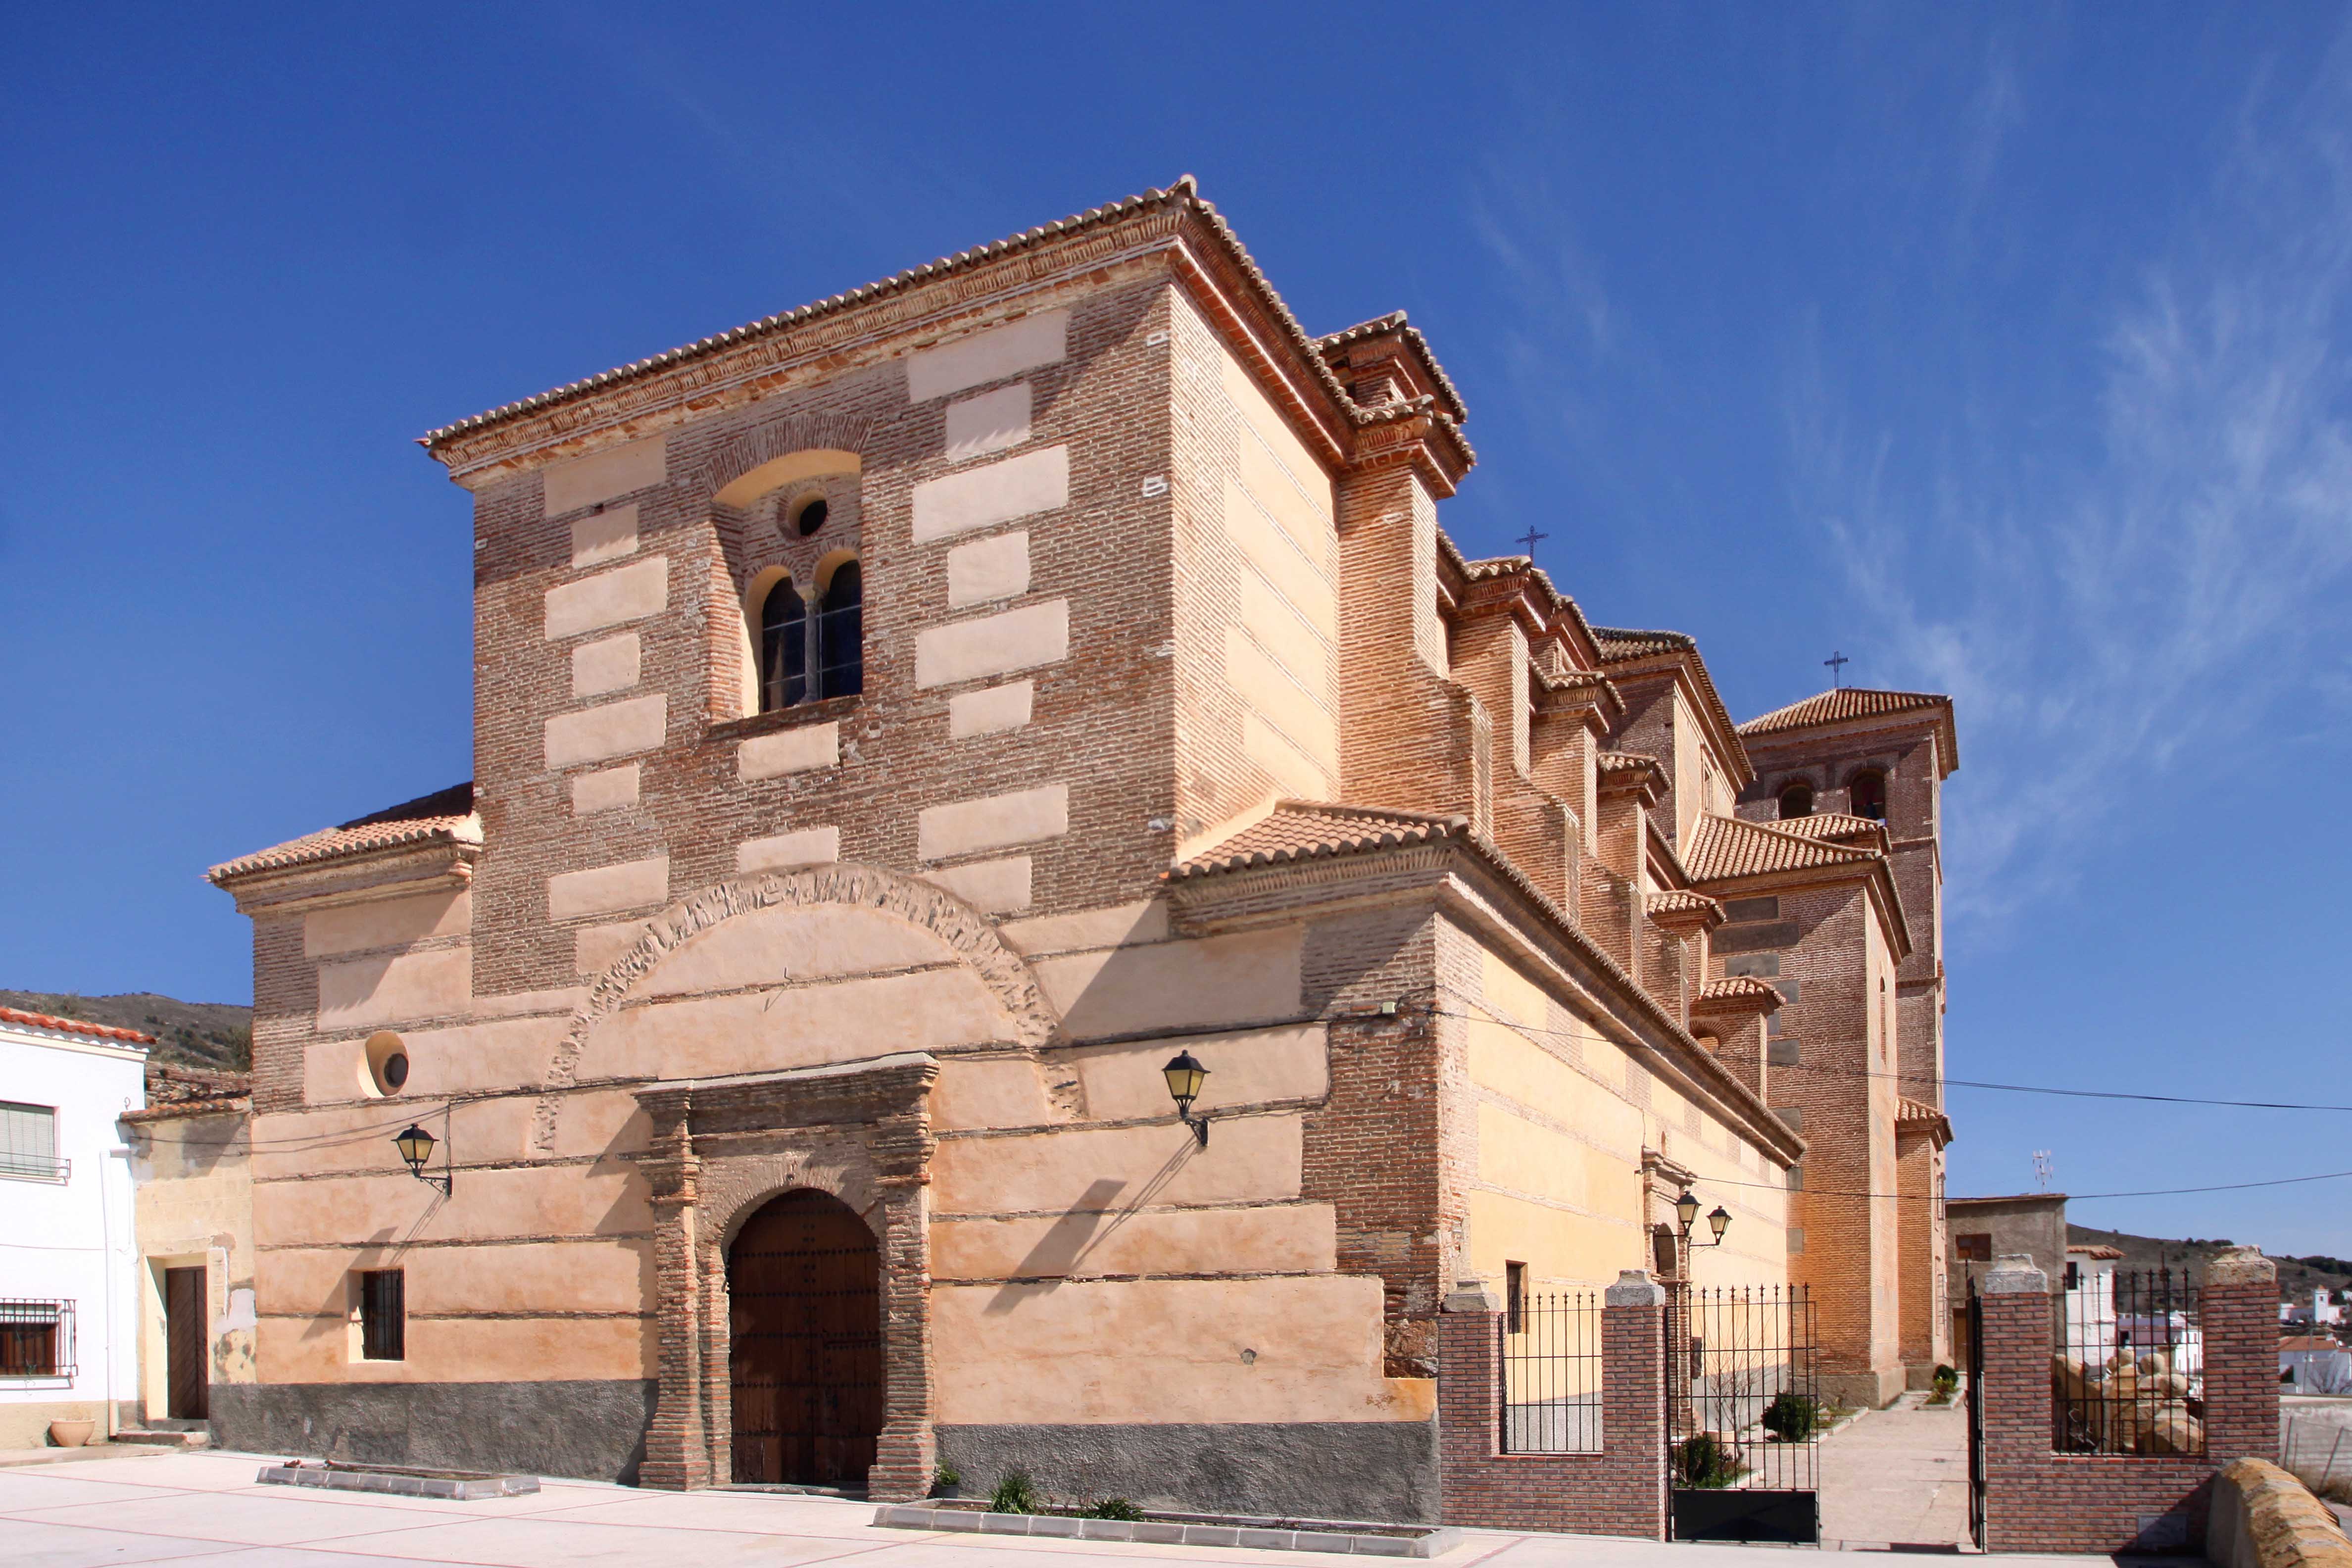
x,y
443,817
1315,831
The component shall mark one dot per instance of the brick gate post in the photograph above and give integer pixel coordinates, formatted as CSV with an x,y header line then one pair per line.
x,y
2240,1314
2015,1371
1634,1401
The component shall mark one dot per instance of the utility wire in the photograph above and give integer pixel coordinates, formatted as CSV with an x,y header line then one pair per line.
x,y
1948,1083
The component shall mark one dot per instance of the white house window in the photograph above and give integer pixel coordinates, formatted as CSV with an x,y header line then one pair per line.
x,y
36,1339
28,1143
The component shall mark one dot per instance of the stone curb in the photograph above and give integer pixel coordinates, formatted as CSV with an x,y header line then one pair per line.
x,y
1167,1532
471,1490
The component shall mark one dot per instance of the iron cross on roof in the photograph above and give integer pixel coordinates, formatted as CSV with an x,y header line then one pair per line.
x,y
1530,539
1837,663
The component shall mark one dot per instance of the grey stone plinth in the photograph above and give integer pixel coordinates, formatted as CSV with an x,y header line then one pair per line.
x,y
454,1488
1634,1288
2013,1274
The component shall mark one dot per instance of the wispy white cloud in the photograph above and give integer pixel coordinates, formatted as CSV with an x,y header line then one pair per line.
x,y
2119,613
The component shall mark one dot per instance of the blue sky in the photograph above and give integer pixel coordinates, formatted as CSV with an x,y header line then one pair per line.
x,y
2001,348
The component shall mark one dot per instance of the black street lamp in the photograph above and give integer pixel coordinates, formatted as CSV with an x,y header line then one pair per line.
x,y
1185,1076
415,1146
1719,1220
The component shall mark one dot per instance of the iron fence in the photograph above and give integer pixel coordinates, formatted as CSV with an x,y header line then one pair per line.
x,y
1744,1404
2128,1370
36,1339
1551,1374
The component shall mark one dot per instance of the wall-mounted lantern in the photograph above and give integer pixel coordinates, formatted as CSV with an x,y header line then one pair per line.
x,y
415,1146
1686,1210
1185,1076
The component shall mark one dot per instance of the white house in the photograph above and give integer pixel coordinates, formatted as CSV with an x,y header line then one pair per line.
x,y
2319,1311
2314,1364
69,1262
2098,1325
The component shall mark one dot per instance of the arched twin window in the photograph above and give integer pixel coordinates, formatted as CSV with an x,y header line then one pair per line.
x,y
1797,799
1867,795
805,657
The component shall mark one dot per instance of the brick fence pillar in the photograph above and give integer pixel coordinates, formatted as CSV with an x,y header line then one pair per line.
x,y
1620,1491
2240,1313
2014,1377
1633,1398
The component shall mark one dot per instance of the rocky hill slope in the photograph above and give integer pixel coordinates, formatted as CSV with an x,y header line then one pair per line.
x,y
217,1036
2297,1277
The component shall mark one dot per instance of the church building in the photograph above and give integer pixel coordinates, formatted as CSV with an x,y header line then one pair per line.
x,y
1022,904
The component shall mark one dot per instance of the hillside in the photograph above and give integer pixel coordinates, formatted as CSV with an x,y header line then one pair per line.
x,y
2297,1277
213,1035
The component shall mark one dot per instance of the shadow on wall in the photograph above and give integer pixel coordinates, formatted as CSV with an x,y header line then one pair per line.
x,y
1081,1229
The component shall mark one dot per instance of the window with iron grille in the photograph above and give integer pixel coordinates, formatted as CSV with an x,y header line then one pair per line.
x,y
384,1315
36,1339
29,1141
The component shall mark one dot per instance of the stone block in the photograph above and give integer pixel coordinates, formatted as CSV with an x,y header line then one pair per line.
x,y
625,593
998,493
1023,344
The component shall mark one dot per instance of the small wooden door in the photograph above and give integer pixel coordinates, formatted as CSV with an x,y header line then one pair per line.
x,y
183,1342
804,1283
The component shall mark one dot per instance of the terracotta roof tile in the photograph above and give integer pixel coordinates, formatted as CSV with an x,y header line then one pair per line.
x,y
1627,762
1682,901
1740,988
1837,827
1315,831
2098,1249
1622,642
1726,846
447,815
1845,702
1909,1110
72,1027
1394,322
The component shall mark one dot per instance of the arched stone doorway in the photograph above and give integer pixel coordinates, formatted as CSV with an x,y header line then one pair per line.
x,y
804,1357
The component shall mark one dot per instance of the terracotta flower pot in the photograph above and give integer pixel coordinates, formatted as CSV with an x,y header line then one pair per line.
x,y
71,1434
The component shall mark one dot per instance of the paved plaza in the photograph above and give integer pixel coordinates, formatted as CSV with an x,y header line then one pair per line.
x,y
205,1506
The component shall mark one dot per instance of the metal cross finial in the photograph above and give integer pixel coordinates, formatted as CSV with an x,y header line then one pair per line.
x,y
1837,663
1530,539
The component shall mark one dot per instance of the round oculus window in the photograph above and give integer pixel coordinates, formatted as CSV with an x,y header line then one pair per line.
x,y
395,1070
811,517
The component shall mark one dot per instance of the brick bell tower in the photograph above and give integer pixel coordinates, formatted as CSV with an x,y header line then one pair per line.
x,y
1883,756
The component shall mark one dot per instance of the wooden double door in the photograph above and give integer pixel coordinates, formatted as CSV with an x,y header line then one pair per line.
x,y
803,1284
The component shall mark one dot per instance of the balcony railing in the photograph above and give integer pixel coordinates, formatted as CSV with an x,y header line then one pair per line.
x,y
35,1167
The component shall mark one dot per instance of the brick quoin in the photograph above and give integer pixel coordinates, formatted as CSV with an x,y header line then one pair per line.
x,y
2037,1499
1621,1489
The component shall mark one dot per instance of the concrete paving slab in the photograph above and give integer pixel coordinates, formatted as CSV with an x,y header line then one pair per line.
x,y
1897,1477
828,1519
230,1518
32,1544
